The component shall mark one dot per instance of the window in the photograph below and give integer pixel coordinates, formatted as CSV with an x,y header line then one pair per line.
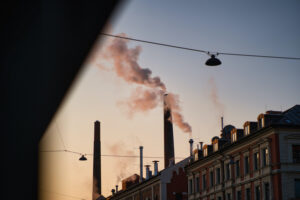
x,y
239,195
297,188
237,168
257,193
227,171
211,179
261,122
218,176
267,191
216,145
196,156
205,152
228,196
246,164
197,184
219,198
204,181
233,137
247,130
265,157
256,160
191,186
248,194
296,153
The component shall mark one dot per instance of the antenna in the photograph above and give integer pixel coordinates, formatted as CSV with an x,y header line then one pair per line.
x,y
222,123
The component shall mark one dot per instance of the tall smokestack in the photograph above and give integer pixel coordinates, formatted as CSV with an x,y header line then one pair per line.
x,y
97,161
168,134
141,164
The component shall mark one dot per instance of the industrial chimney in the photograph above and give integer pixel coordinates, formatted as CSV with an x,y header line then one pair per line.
x,y
168,134
97,161
141,164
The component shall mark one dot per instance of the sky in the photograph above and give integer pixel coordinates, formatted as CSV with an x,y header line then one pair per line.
x,y
239,89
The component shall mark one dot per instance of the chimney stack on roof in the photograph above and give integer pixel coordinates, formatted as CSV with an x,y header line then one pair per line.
x,y
191,141
147,171
155,167
201,145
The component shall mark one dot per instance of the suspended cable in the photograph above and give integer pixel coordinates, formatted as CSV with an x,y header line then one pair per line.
x,y
156,43
200,50
106,155
61,194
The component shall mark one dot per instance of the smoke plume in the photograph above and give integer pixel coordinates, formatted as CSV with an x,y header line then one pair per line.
x,y
127,67
151,89
215,97
123,164
172,101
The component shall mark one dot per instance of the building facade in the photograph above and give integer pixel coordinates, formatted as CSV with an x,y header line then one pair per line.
x,y
260,161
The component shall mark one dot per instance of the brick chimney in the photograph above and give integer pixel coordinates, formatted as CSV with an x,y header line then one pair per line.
x,y
168,134
97,160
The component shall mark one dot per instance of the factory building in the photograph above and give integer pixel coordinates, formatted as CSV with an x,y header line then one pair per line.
x,y
167,184
259,161
170,183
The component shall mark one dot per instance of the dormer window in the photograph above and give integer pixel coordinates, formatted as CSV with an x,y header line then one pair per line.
x,y
196,156
234,137
262,122
205,152
216,146
247,130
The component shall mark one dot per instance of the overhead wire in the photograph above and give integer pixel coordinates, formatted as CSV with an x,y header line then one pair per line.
x,y
105,155
61,194
200,50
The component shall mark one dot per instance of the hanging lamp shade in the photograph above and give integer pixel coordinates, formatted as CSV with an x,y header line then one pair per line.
x,y
213,61
82,158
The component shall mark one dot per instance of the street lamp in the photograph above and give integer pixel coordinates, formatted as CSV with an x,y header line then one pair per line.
x,y
82,158
213,61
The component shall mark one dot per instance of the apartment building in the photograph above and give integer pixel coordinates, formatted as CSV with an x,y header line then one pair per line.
x,y
259,161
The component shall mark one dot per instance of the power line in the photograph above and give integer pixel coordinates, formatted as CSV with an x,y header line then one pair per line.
x,y
61,194
156,43
200,50
106,155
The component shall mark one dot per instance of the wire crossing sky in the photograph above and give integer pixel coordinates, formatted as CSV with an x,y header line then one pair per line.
x,y
199,50
104,155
